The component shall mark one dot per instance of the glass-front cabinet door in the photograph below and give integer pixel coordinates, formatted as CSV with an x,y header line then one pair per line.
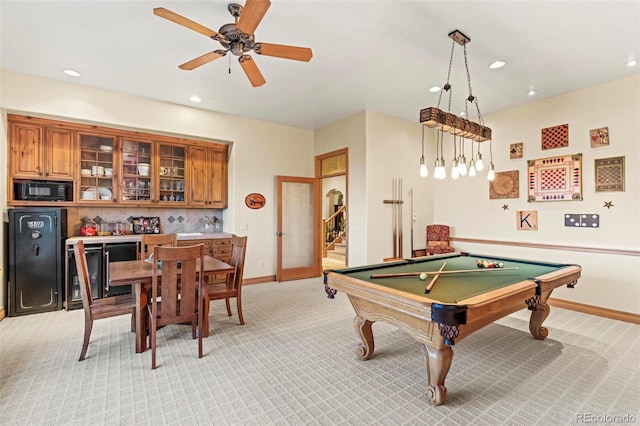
x,y
137,171
96,168
171,174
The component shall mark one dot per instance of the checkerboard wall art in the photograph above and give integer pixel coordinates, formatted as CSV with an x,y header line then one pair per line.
x,y
555,137
555,178
609,174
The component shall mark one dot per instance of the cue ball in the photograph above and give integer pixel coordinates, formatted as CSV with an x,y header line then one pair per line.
x,y
423,276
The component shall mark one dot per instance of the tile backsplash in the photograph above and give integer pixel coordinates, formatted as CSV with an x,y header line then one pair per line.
x,y
171,220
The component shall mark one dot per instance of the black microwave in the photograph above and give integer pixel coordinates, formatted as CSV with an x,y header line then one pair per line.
x,y
42,190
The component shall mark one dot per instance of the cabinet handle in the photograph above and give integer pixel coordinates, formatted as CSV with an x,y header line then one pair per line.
x,y
46,173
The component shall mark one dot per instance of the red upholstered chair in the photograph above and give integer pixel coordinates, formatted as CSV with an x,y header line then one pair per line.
x,y
438,240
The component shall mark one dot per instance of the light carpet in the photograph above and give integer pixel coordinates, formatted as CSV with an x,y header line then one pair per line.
x,y
293,363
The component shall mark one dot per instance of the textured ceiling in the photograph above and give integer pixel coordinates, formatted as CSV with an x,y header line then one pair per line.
x,y
376,55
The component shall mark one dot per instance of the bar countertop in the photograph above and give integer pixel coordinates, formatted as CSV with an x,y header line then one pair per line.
x,y
133,238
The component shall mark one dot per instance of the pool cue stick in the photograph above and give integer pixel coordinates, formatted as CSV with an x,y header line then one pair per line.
x,y
417,274
434,279
411,216
394,218
399,217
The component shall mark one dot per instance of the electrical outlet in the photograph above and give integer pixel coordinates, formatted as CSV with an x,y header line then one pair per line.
x,y
244,227
261,263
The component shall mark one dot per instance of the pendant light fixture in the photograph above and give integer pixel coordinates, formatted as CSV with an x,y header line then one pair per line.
x,y
461,128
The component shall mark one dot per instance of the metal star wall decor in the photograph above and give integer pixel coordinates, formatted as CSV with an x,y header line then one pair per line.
x,y
608,204
505,207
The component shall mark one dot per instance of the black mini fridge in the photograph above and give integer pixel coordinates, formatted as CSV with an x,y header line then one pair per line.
x,y
36,261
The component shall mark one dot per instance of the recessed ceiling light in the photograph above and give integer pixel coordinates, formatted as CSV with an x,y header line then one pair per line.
x,y
72,73
632,63
532,92
497,64
195,99
435,89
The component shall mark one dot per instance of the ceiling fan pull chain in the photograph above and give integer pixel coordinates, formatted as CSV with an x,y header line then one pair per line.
x,y
229,64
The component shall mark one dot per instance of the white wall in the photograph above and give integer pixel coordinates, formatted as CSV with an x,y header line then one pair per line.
x,y
608,281
350,133
260,150
393,151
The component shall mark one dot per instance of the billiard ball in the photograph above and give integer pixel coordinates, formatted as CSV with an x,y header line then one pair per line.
x,y
423,276
479,263
500,265
485,264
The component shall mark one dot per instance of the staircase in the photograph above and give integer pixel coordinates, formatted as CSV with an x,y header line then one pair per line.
x,y
339,251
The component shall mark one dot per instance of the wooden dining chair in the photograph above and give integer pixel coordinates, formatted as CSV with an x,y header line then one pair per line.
x,y
149,241
182,296
100,308
233,285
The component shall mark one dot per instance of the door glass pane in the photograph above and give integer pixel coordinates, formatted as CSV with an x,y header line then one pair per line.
x,y
297,225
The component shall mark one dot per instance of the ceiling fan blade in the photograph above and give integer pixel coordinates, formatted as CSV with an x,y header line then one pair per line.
x,y
251,15
282,51
204,59
185,22
251,70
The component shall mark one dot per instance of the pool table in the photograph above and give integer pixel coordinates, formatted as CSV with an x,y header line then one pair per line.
x,y
457,305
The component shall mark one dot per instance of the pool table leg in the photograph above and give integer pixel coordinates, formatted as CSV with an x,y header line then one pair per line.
x,y
363,328
438,364
537,318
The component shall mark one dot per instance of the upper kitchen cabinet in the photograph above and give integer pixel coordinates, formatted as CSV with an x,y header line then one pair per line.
x,y
95,165
97,168
40,152
171,171
208,186
137,184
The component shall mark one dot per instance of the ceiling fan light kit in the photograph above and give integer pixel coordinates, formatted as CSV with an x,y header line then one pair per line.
x,y
238,38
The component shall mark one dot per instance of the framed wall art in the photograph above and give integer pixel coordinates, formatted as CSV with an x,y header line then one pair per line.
x,y
505,185
555,178
254,201
515,150
527,220
599,137
609,174
555,137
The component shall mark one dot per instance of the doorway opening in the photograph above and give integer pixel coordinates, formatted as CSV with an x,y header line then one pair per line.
x,y
332,171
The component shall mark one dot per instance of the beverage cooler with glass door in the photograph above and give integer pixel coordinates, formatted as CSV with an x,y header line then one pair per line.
x,y
98,258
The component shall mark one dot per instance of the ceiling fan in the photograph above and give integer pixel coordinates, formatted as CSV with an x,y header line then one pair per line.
x,y
238,38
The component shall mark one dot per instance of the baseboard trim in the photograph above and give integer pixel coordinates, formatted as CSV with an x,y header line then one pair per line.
x,y
259,280
595,310
2,313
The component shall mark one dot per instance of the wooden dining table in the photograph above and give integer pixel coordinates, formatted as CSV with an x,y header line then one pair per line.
x,y
139,273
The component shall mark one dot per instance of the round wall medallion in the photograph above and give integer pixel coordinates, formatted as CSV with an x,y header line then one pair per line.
x,y
254,201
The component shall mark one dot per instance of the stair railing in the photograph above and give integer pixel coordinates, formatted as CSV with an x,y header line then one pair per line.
x,y
333,234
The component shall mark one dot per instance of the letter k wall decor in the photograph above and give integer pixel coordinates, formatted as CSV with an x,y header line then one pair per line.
x,y
527,220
